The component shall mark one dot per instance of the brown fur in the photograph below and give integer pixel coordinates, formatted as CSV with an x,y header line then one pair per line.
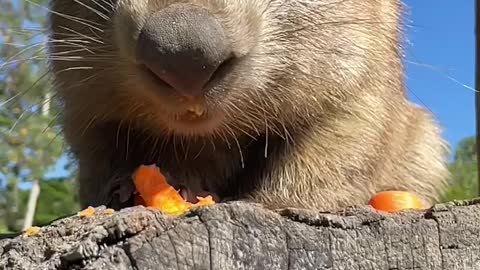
x,y
313,114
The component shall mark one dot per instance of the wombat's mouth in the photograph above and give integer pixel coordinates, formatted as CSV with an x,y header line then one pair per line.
x,y
193,113
194,124
183,114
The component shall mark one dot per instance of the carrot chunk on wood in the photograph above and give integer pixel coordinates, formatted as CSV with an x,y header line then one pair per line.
x,y
31,231
87,212
154,191
394,201
108,211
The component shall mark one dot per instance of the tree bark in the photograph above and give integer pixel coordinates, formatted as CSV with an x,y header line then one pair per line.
x,y
240,235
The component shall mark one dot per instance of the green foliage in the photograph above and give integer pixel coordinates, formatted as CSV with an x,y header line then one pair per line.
x,y
466,151
58,198
463,169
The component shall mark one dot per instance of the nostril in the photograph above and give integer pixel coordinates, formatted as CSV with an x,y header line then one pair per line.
x,y
222,70
158,80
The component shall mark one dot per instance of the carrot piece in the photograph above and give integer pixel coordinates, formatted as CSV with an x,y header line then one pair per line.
x,y
89,211
108,211
205,201
394,201
154,191
31,231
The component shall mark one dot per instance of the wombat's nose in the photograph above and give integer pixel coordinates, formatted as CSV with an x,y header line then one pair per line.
x,y
183,45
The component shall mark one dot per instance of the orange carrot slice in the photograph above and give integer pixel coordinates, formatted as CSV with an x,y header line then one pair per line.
x,y
394,201
154,191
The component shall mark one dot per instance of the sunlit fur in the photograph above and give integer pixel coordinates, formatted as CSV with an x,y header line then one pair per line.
x,y
312,115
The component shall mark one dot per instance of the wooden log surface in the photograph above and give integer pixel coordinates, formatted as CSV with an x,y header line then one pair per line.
x,y
241,235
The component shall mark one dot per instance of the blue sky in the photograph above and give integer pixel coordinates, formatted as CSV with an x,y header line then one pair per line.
x,y
442,47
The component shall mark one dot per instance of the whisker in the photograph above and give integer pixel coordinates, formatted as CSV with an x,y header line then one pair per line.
x,y
103,7
183,148
154,149
71,18
436,69
212,143
119,127
51,122
24,30
100,14
8,60
59,133
89,124
17,121
175,148
225,139
238,147
200,151
80,34
20,94
128,140
31,111
266,138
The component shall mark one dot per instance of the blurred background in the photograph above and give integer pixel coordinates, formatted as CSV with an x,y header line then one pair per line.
x,y
37,176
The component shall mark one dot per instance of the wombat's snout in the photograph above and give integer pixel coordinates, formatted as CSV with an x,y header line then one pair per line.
x,y
184,46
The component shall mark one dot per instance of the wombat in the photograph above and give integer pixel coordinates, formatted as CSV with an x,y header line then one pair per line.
x,y
283,103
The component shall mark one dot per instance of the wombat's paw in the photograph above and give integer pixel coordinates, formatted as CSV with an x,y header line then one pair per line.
x,y
120,192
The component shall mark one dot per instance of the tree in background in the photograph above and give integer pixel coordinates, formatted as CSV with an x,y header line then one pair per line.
x,y
463,169
29,141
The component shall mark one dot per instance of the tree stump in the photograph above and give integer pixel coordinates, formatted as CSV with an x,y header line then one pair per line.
x,y
241,235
